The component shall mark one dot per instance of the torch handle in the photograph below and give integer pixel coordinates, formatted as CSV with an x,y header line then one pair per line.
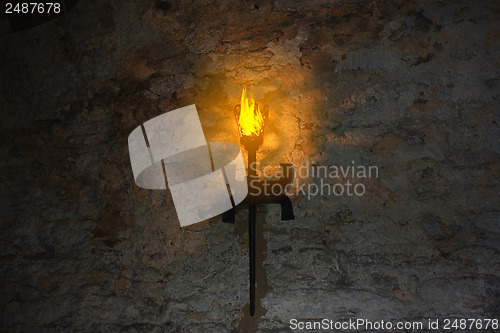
x,y
252,212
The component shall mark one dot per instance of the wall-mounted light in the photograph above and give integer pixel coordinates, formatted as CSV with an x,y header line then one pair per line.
x,y
251,120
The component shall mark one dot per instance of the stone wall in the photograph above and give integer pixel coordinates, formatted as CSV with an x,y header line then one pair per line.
x,y
409,87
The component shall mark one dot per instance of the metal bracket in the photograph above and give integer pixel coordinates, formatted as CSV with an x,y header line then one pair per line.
x,y
265,195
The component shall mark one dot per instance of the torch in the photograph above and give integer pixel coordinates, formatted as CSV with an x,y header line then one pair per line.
x,y
251,122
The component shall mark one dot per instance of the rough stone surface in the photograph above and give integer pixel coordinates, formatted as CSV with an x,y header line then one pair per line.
x,y
409,87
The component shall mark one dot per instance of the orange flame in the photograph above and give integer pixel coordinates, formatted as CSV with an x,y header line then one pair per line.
x,y
251,121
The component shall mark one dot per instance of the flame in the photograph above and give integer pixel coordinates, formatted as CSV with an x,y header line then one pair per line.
x,y
251,121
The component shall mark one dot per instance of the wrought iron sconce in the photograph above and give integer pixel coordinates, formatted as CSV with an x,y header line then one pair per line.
x,y
251,124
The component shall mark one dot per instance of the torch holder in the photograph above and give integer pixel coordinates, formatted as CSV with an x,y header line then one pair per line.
x,y
260,192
